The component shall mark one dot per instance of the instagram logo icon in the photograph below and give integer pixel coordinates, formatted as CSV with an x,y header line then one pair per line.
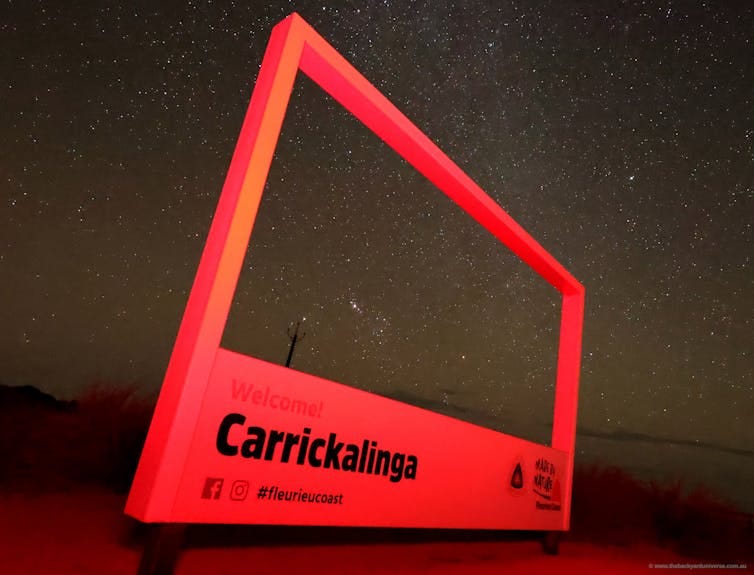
x,y
239,490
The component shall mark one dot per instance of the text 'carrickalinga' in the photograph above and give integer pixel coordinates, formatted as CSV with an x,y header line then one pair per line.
x,y
303,449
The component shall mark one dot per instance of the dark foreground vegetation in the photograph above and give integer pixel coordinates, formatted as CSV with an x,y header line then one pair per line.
x,y
96,440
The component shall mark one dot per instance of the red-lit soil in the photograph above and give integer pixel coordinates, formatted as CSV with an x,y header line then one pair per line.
x,y
83,533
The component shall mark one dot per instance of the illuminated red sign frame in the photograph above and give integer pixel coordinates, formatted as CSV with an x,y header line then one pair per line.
x,y
176,479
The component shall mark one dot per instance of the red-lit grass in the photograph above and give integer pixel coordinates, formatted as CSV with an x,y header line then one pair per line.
x,y
97,439
610,506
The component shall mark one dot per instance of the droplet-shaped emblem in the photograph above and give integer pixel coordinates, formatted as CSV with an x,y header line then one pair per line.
x,y
517,479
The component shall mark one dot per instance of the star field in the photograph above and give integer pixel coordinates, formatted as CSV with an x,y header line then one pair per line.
x,y
620,135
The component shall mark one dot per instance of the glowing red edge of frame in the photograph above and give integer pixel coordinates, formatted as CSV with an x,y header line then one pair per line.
x,y
293,46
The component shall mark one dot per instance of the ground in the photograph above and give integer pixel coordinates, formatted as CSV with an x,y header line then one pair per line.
x,y
85,532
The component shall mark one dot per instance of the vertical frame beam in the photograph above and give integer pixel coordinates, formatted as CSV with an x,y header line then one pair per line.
x,y
567,389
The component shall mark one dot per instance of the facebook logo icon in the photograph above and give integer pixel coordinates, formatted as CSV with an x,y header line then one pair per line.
x,y
213,486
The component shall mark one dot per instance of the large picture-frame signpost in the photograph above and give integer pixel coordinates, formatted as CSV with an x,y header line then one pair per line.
x,y
235,439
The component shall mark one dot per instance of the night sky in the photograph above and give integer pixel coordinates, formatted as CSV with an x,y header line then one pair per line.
x,y
620,135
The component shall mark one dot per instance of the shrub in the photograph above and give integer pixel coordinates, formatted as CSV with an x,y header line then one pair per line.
x,y
610,506
701,524
111,426
96,440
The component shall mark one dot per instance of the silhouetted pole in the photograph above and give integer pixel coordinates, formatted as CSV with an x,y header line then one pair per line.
x,y
294,337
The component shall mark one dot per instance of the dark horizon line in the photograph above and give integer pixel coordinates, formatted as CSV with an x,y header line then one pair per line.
x,y
623,435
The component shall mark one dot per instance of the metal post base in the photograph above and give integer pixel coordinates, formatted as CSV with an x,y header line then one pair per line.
x,y
162,548
551,542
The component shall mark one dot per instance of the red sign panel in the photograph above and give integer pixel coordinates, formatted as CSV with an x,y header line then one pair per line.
x,y
273,445
238,440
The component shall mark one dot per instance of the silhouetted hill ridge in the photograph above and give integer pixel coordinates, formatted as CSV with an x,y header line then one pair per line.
x,y
28,396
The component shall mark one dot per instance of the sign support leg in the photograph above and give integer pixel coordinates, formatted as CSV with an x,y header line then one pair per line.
x,y
162,548
551,542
